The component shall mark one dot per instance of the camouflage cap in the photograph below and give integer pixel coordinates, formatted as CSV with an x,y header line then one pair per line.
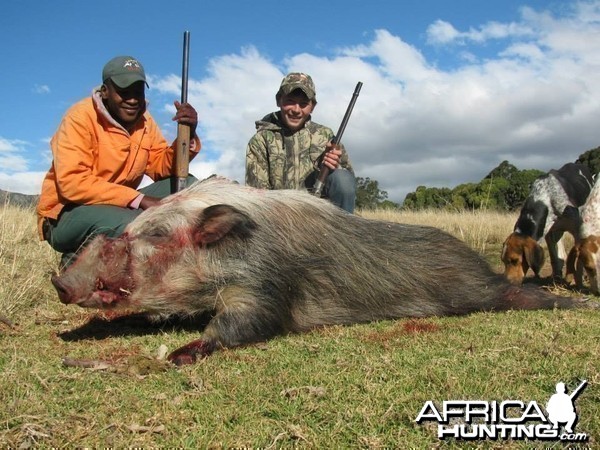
x,y
297,80
124,71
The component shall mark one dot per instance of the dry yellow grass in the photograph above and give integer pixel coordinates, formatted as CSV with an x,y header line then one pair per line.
x,y
478,229
482,230
25,262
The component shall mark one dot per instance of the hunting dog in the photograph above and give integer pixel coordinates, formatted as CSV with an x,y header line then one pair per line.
x,y
585,254
551,208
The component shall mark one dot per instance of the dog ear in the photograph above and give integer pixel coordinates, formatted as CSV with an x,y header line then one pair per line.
x,y
525,266
589,262
534,255
593,275
579,269
572,263
511,256
503,254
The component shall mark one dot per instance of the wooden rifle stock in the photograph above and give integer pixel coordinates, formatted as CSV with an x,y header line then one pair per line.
x,y
324,171
182,155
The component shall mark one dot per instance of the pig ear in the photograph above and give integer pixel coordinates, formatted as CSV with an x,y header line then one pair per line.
x,y
219,221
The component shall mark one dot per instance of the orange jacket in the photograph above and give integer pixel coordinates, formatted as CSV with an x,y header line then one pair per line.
x,y
96,161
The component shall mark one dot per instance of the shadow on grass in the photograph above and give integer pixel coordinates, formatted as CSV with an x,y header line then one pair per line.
x,y
138,324
563,288
549,282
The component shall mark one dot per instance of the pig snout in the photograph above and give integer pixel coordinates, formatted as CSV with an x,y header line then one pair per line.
x,y
64,294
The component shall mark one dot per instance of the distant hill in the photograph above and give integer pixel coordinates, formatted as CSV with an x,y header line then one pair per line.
x,y
504,188
13,198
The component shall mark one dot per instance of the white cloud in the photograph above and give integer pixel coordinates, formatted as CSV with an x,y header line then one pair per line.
x,y
238,90
11,161
10,154
22,182
524,50
534,102
16,173
11,145
441,32
41,89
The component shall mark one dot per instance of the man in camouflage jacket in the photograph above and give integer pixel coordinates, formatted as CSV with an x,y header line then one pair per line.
x,y
288,148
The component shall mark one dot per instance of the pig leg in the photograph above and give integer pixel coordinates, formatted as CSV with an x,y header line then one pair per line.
x,y
190,352
240,321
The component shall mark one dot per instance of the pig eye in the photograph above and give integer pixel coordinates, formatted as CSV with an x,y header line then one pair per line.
x,y
156,232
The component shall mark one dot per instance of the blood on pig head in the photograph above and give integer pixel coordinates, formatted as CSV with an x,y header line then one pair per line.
x,y
100,277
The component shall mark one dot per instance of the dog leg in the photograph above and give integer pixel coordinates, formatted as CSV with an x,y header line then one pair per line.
x,y
556,250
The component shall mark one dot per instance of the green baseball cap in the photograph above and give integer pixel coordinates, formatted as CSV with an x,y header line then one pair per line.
x,y
124,71
298,80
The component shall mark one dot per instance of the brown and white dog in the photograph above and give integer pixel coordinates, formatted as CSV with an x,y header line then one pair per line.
x,y
551,208
585,254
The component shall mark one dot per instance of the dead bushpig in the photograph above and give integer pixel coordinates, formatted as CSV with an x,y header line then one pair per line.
x,y
273,262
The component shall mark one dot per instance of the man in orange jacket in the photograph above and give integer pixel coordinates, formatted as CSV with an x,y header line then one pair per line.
x,y
103,147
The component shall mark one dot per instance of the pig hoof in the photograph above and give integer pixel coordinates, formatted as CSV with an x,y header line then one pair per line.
x,y
181,360
188,354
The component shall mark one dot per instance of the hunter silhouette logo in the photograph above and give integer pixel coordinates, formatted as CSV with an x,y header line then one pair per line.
x,y
509,419
561,408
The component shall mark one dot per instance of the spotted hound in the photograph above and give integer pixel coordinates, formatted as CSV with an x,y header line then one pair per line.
x,y
585,254
551,208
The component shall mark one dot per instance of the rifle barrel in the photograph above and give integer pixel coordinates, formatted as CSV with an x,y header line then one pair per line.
x,y
338,137
319,184
185,66
578,389
182,160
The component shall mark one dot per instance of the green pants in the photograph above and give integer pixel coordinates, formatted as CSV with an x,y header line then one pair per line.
x,y
77,224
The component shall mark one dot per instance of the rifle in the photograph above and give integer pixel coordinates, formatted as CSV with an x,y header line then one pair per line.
x,y
324,172
182,156
578,390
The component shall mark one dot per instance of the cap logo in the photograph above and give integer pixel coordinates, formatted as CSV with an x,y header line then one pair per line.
x,y
131,64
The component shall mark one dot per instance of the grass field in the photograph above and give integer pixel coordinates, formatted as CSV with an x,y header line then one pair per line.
x,y
339,387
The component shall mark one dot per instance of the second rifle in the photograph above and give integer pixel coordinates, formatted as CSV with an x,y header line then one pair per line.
x,y
324,172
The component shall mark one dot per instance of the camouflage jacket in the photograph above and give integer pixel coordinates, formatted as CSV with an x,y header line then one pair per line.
x,y
277,158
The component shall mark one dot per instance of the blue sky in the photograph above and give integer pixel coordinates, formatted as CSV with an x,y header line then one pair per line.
x,y
450,88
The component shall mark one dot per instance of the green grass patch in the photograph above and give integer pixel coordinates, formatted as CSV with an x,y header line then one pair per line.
x,y
360,386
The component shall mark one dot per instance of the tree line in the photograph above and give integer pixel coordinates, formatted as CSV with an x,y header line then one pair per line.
x,y
504,188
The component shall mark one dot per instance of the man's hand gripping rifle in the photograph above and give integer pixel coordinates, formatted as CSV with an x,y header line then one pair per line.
x,y
324,172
